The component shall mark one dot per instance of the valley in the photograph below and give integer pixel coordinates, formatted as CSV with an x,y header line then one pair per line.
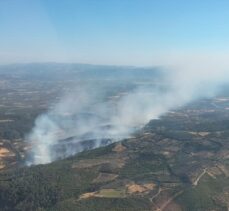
x,y
178,162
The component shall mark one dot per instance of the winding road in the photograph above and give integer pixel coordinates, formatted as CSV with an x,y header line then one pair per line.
x,y
195,183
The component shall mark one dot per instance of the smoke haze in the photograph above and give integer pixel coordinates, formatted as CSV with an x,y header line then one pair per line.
x,y
96,112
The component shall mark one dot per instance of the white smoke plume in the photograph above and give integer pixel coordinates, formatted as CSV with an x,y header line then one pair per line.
x,y
88,114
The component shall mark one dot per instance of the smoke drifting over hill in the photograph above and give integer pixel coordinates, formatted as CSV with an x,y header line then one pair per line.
x,y
96,112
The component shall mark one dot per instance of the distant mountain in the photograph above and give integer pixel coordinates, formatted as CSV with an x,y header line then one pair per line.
x,y
53,71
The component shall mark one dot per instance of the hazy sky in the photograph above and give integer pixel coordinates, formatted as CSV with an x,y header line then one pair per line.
x,y
133,32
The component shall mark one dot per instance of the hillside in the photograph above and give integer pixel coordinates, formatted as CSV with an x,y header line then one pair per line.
x,y
179,162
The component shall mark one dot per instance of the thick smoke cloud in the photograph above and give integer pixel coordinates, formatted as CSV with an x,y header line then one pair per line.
x,y
87,113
